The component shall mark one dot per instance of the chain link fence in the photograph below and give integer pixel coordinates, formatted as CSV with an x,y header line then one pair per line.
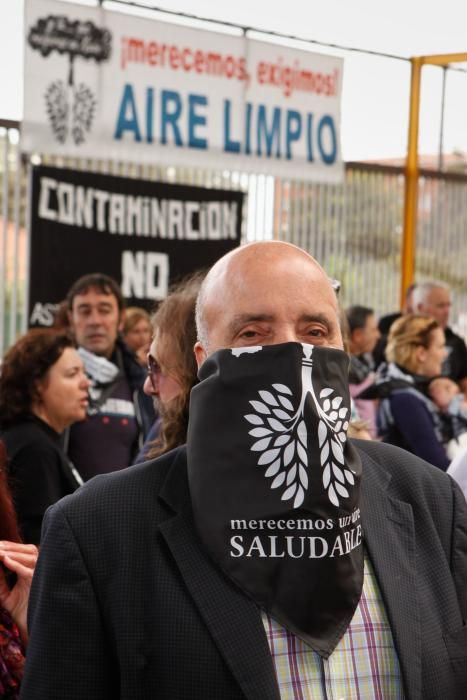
x,y
354,229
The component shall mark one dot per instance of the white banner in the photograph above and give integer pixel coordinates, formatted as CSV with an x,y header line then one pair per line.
x,y
101,84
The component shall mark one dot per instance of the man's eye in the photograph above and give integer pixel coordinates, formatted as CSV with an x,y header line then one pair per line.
x,y
317,332
248,334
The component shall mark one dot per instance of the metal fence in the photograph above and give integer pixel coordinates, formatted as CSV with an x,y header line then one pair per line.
x,y
354,229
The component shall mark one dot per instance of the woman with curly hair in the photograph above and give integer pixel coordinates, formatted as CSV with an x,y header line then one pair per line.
x,y
172,369
43,389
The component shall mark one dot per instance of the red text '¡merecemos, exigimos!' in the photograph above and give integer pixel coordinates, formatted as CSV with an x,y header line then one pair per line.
x,y
288,78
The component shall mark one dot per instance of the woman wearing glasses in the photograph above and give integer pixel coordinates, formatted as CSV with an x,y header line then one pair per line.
x,y
172,370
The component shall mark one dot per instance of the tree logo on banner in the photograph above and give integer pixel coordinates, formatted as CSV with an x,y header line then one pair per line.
x,y
70,106
281,438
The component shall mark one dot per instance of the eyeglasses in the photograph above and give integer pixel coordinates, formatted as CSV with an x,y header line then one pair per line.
x,y
154,371
335,284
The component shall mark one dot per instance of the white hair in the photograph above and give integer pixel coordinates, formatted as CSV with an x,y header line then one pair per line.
x,y
423,290
201,328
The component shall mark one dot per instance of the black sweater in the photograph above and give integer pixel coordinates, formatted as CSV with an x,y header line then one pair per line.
x,y
39,472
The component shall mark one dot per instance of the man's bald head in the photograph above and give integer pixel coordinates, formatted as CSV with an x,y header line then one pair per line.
x,y
233,266
265,293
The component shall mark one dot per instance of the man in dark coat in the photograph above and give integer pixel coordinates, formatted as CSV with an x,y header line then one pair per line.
x,y
434,299
130,602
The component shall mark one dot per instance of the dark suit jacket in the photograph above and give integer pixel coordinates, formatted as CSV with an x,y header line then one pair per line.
x,y
125,603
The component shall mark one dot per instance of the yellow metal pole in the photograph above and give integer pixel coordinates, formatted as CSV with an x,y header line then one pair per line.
x,y
411,167
411,182
445,59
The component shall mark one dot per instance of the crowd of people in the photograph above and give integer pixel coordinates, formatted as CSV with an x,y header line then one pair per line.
x,y
408,377
142,549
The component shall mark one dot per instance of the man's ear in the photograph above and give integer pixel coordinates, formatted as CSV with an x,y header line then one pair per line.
x,y
200,353
355,337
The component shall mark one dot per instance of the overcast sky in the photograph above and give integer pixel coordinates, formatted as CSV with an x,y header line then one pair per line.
x,y
376,90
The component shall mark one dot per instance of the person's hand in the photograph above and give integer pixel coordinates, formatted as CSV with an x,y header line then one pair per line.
x,y
142,355
21,560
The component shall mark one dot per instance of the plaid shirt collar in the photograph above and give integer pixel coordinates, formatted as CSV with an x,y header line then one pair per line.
x,y
364,665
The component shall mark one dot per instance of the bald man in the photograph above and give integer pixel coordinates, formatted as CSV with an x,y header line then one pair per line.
x,y
434,299
270,558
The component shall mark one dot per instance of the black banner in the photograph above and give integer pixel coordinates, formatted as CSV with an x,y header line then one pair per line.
x,y
146,235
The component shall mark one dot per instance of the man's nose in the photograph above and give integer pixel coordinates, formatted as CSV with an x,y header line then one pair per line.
x,y
287,335
95,317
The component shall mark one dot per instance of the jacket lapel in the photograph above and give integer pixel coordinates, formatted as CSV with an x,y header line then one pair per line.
x,y
390,539
233,619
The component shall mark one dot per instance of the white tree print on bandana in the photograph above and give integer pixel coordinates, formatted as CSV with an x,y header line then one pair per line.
x,y
281,437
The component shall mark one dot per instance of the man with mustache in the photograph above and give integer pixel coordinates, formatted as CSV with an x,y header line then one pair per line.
x,y
271,558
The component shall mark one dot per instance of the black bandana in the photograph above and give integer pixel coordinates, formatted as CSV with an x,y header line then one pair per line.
x,y
275,486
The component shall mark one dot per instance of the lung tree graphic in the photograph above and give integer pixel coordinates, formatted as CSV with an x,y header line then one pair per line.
x,y
70,106
281,438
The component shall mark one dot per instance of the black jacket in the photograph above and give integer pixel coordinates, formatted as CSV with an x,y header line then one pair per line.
x,y
126,604
39,473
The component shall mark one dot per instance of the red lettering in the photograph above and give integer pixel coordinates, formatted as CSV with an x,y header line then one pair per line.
x,y
213,63
163,50
187,59
261,72
174,57
200,61
242,72
229,66
275,74
319,84
152,53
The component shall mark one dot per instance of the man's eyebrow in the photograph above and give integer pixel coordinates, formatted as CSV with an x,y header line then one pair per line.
x,y
100,305
317,318
243,319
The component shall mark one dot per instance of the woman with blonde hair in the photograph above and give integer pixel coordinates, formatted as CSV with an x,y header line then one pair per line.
x,y
136,331
406,416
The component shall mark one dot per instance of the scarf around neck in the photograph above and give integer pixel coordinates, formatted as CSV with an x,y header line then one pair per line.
x,y
275,486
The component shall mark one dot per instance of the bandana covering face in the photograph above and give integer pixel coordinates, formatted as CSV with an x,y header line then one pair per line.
x,y
275,486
